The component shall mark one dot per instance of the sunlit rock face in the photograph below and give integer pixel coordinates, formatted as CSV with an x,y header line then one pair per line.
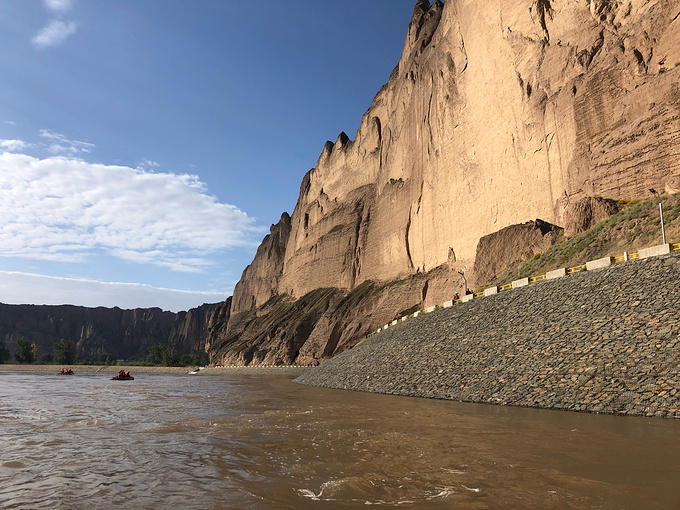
x,y
497,113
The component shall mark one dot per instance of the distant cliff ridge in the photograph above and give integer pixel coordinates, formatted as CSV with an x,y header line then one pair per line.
x,y
124,334
497,113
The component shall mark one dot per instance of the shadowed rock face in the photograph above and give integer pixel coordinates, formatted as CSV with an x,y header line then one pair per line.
x,y
319,325
125,334
583,214
511,246
497,112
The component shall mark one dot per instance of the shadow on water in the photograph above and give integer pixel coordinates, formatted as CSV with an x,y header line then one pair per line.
x,y
253,441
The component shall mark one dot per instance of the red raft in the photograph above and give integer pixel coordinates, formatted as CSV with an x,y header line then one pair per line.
x,y
123,376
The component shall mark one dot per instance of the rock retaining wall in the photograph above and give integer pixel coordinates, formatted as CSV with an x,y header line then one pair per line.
x,y
603,341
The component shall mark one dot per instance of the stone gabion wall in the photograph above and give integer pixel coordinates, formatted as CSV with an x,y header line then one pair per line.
x,y
603,341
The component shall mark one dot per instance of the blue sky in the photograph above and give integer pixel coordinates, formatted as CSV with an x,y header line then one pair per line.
x,y
147,145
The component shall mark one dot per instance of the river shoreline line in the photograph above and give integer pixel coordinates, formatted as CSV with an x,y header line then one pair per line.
x,y
113,369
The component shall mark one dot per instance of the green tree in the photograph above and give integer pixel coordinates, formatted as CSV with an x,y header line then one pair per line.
x,y
25,351
170,358
4,353
65,351
155,356
102,359
46,359
161,354
200,359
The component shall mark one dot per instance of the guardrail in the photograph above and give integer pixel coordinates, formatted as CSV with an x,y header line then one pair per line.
x,y
604,262
575,269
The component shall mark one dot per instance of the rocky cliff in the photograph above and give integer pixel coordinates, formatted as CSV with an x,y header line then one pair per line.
x,y
124,334
496,114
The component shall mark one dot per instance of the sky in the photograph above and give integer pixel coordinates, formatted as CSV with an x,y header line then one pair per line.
x,y
146,146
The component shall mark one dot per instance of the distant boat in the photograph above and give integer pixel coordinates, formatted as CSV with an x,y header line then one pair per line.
x,y
123,377
66,372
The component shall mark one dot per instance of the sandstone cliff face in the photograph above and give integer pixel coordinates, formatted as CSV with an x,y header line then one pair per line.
x,y
497,113
125,334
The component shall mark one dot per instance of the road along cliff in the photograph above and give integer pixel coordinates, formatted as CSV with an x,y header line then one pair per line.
x,y
602,341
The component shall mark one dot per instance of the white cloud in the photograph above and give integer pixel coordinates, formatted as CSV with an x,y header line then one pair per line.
x,y
10,122
69,210
59,5
21,288
13,145
61,145
54,34
148,164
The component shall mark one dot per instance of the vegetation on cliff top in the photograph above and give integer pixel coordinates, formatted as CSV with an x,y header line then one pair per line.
x,y
637,225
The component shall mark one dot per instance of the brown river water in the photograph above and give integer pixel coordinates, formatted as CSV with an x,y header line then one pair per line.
x,y
253,441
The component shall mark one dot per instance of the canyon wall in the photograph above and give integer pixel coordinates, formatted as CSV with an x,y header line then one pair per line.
x,y
124,334
496,114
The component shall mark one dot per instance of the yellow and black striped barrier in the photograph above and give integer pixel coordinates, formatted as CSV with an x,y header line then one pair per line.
x,y
575,269
507,286
534,279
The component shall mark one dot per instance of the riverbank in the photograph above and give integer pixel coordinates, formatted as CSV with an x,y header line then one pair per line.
x,y
604,341
285,370
292,371
97,368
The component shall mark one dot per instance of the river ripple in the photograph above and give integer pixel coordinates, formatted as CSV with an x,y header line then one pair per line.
x,y
260,442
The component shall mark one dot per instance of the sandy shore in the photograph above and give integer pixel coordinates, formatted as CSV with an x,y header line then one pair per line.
x,y
282,370
97,368
291,371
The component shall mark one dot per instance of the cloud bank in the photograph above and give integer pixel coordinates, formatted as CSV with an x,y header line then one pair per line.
x,y
14,286
69,210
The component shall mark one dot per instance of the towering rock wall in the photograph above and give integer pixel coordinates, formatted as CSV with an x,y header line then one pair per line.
x,y
124,334
497,113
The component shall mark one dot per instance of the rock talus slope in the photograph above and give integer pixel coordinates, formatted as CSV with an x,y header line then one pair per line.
x,y
497,113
